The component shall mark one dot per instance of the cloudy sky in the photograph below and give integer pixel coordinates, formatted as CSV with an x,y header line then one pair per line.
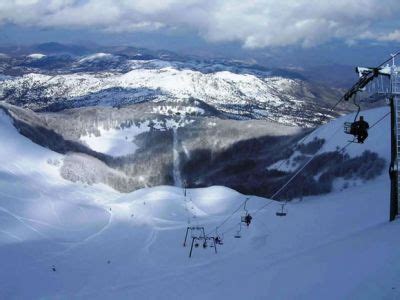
x,y
247,24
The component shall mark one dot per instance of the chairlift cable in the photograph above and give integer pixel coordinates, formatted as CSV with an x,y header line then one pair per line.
x,y
290,180
228,218
363,78
372,126
389,59
307,163
277,192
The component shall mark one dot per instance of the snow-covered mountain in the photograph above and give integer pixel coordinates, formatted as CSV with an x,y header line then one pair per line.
x,y
66,240
54,83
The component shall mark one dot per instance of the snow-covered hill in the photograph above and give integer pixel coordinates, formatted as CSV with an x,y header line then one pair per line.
x,y
106,245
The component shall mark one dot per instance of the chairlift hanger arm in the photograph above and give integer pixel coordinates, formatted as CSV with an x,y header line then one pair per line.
x,y
367,75
366,78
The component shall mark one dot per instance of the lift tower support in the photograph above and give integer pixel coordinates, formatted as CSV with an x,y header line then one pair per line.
x,y
384,82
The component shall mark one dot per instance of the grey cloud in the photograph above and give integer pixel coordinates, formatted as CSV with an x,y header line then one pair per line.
x,y
254,23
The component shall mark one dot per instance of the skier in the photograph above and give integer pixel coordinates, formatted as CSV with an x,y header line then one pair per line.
x,y
361,129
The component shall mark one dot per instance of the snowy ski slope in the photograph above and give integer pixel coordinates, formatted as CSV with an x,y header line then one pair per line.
x,y
107,245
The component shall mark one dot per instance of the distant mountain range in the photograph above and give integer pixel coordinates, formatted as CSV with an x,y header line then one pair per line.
x,y
58,78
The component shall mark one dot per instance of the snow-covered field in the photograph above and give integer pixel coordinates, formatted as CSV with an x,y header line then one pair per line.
x,y
107,245
115,142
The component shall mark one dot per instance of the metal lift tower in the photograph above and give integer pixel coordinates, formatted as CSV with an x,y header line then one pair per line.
x,y
384,82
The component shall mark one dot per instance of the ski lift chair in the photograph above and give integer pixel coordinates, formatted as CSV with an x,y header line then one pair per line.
x,y
352,128
282,212
246,218
349,128
218,240
205,245
238,234
210,242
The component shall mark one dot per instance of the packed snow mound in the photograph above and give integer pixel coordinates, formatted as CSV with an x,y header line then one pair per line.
x,y
36,56
72,241
96,56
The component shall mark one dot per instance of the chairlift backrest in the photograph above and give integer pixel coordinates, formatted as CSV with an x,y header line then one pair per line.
x,y
348,127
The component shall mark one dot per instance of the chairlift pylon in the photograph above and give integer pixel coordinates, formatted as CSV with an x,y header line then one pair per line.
x,y
195,232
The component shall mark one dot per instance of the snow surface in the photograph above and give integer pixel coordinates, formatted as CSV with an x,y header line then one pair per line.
x,y
4,77
115,142
96,56
119,142
107,245
36,56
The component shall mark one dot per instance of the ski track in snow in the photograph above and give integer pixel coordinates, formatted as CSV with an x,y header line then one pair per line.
x,y
21,220
102,230
12,235
150,241
87,239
